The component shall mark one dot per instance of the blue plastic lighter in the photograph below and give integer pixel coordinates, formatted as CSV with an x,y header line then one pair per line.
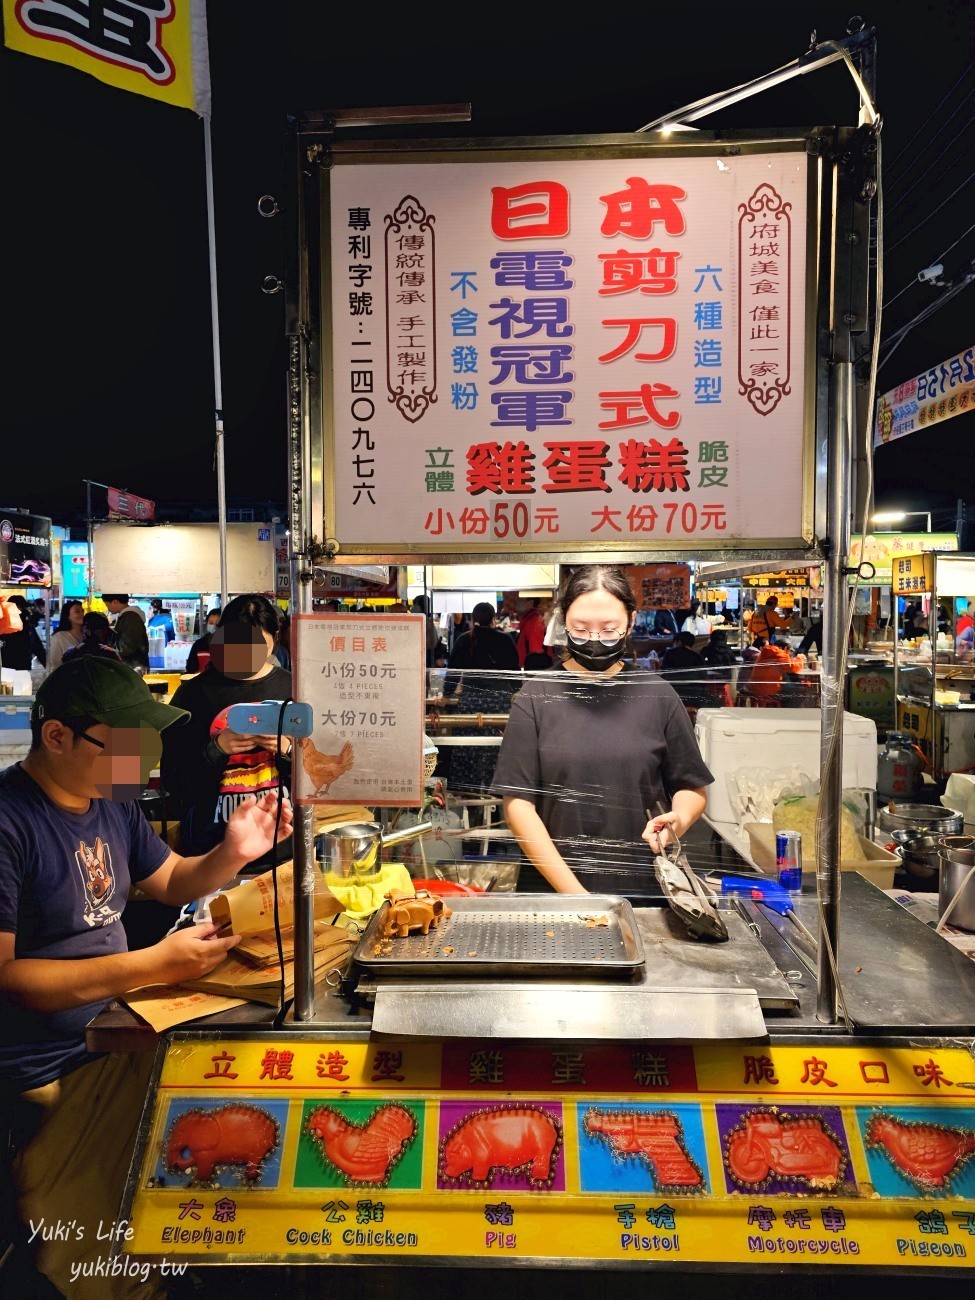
x,y
769,892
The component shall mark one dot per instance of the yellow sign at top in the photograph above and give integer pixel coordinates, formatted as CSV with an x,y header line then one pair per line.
x,y
159,51
912,574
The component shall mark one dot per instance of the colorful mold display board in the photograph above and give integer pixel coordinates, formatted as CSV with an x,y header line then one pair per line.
x,y
313,1147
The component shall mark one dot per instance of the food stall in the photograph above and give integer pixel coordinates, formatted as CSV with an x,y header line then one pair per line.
x,y
567,1080
941,720
877,653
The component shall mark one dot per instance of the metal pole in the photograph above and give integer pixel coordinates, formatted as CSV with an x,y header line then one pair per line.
x,y
304,369
932,727
91,548
896,620
217,378
304,840
835,604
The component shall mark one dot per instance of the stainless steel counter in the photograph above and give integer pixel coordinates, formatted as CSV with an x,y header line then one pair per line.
x,y
899,979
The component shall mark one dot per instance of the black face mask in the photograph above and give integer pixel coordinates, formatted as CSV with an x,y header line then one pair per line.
x,y
594,655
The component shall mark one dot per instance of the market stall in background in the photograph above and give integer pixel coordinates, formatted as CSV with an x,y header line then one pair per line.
x,y
935,680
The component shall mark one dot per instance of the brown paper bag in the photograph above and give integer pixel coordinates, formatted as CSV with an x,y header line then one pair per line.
x,y
249,908
165,1005
238,979
262,949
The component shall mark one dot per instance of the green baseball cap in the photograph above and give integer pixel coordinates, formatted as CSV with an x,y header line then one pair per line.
x,y
105,690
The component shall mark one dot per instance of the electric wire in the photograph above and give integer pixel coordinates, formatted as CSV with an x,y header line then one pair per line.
x,y
921,175
964,73
902,333
930,307
925,312
912,284
928,215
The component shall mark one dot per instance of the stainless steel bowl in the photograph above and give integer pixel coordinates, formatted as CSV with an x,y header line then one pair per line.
x,y
920,818
922,856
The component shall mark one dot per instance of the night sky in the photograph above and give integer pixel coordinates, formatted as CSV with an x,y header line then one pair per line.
x,y
108,372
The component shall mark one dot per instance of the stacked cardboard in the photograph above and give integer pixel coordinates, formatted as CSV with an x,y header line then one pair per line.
x,y
236,977
252,969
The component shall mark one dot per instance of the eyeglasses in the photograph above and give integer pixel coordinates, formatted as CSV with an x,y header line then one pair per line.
x,y
608,636
83,735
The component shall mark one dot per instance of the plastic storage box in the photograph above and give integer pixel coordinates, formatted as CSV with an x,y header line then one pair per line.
x,y
778,739
14,728
875,862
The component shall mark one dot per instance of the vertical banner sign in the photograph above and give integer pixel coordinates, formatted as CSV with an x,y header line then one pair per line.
x,y
364,676
74,569
551,352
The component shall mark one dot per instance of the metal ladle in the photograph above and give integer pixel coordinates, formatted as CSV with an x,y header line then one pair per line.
x,y
351,850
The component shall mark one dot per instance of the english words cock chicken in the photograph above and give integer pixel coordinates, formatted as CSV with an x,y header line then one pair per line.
x,y
323,769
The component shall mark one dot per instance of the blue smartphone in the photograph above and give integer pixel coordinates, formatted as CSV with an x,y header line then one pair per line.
x,y
265,719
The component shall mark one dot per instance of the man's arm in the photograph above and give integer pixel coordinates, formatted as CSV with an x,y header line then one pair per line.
x,y
53,984
249,835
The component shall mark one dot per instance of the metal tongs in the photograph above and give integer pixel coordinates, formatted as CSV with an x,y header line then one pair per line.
x,y
687,895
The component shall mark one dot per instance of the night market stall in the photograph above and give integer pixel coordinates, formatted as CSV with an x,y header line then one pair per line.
x,y
485,361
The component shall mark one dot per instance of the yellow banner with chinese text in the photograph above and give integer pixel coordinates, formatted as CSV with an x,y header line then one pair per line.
x,y
160,53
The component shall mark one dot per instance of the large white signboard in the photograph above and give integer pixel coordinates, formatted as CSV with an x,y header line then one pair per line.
x,y
365,677
552,353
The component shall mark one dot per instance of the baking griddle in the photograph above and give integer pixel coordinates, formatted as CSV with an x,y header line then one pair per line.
x,y
520,934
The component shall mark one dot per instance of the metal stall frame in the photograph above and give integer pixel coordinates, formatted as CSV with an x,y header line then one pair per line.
x,y
840,187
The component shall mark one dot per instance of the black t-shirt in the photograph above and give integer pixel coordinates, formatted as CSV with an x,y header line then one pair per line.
x,y
484,658
209,785
594,756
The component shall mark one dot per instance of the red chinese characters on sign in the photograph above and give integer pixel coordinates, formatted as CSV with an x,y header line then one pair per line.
x,y
332,1065
277,1064
764,264
221,1066
759,1069
386,1067
539,209
814,1072
635,327
619,1071
930,1072
637,210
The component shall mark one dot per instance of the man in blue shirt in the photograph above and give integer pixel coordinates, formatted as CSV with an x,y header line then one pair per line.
x,y
72,842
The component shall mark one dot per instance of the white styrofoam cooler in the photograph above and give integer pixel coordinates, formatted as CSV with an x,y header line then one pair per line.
x,y
778,739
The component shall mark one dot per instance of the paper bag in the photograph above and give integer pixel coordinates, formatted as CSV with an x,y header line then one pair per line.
x,y
165,1005
249,908
262,949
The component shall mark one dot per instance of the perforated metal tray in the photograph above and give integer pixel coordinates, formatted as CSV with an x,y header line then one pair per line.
x,y
520,934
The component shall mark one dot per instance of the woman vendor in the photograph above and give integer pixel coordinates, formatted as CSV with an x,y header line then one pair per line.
x,y
597,757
